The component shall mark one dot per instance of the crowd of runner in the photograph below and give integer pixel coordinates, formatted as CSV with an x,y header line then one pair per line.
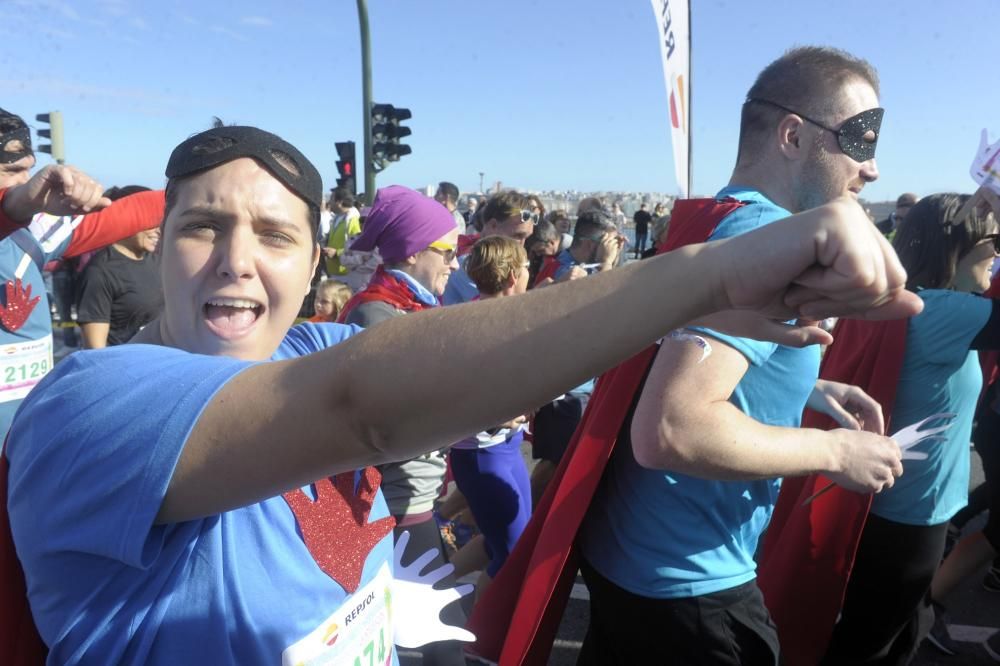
x,y
299,420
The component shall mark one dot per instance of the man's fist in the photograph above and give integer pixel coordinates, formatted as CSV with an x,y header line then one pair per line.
x,y
830,261
57,190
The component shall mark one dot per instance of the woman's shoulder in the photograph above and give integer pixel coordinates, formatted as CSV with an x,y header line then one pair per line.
x,y
310,336
135,388
938,302
950,316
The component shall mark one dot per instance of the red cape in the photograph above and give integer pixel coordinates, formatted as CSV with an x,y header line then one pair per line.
x,y
515,621
989,359
548,270
809,550
466,243
20,644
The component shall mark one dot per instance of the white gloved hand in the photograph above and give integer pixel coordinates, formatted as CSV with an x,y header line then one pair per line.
x,y
416,605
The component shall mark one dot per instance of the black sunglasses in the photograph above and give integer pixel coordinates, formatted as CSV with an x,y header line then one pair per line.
x,y
857,136
996,241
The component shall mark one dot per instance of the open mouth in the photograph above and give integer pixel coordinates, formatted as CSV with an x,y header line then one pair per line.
x,y
232,317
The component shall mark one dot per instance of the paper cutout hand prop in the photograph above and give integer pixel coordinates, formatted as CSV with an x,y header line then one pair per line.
x,y
906,439
19,305
918,433
986,164
416,605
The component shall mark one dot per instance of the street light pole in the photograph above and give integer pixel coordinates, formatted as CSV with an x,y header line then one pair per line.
x,y
366,95
481,174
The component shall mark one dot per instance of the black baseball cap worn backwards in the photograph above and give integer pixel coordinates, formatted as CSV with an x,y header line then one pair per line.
x,y
219,145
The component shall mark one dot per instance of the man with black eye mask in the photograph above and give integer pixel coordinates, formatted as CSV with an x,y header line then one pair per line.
x,y
670,537
668,542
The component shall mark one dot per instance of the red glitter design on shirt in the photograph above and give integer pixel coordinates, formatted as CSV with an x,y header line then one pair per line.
x,y
335,527
20,304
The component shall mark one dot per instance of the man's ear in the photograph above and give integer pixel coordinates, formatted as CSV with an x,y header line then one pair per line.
x,y
791,137
510,283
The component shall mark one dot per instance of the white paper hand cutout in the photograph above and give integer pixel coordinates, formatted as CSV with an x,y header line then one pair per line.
x,y
986,164
917,433
906,439
416,605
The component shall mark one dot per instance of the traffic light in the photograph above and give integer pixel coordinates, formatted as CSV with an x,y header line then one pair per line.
x,y
54,134
387,130
345,165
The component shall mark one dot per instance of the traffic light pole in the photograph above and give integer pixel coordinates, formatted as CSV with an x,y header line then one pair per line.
x,y
366,95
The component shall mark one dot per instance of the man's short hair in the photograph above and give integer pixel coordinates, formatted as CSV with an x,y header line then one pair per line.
x,y
343,196
450,190
504,204
591,223
557,215
806,79
589,203
907,199
545,232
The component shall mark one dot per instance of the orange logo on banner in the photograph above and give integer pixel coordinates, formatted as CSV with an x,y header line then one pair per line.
x,y
677,109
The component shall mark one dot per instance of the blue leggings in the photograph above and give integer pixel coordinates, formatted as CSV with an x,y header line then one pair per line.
x,y
495,482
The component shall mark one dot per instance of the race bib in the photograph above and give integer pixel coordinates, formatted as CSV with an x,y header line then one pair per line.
x,y
22,365
359,633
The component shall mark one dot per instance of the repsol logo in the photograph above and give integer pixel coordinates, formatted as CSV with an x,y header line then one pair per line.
x,y
359,609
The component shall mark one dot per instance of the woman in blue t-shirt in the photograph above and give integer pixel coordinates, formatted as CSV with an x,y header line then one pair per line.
x,y
948,260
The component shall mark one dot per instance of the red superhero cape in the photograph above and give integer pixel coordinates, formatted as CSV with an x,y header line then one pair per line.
x,y
515,621
20,644
466,242
385,288
548,270
989,359
809,550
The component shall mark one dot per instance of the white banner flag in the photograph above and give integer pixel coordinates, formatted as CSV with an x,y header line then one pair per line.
x,y
674,25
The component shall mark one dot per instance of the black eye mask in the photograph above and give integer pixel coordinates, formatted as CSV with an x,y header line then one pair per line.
x,y
851,135
225,144
22,134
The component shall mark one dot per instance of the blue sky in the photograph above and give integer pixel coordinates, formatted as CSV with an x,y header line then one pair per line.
x,y
537,94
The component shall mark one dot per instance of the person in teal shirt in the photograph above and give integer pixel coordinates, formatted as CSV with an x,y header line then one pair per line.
x,y
887,609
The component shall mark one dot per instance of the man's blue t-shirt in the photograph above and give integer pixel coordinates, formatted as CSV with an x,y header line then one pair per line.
x,y
663,534
91,454
566,264
940,374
